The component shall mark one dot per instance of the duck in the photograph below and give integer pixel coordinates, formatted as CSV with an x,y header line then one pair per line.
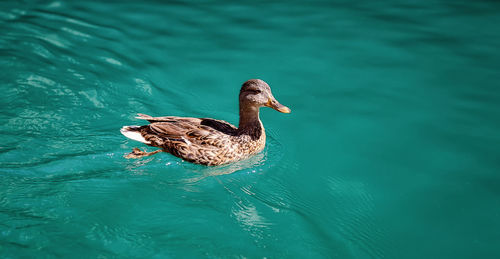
x,y
209,141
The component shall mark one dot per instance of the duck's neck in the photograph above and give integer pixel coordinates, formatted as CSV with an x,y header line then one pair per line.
x,y
250,122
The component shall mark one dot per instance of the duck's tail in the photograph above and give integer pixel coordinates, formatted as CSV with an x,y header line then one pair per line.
x,y
133,132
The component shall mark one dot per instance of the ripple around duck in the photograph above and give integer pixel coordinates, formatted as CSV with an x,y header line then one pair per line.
x,y
258,163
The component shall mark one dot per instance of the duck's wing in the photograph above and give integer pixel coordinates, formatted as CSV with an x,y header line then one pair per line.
x,y
162,119
191,132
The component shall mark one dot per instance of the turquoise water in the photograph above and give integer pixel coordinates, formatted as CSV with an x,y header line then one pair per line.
x,y
391,150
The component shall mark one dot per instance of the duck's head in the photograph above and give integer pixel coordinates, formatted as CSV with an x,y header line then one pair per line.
x,y
256,93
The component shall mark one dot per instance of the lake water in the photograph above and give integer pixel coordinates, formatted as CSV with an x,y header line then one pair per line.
x,y
392,149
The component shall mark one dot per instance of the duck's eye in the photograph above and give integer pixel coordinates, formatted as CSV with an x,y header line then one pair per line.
x,y
255,91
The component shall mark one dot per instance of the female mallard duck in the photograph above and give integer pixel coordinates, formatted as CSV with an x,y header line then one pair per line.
x,y
208,141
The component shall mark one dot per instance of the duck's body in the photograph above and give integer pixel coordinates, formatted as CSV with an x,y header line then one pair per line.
x,y
208,141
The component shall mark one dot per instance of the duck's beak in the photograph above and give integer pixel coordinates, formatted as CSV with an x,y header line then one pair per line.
x,y
272,103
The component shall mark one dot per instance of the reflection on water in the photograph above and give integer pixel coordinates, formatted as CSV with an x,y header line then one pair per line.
x,y
391,149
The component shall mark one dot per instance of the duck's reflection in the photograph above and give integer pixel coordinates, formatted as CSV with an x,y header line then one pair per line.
x,y
250,165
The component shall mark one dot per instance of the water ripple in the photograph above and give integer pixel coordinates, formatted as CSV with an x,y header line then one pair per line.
x,y
387,99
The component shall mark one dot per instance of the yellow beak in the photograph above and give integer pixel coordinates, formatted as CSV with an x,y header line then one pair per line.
x,y
272,103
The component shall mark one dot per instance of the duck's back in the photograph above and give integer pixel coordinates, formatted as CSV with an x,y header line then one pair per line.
x,y
199,140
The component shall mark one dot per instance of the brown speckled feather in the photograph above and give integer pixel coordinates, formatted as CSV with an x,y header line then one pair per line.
x,y
199,140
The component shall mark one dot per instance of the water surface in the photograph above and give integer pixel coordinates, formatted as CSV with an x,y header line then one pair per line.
x,y
391,149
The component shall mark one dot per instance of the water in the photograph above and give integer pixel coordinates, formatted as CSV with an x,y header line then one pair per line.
x,y
391,149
